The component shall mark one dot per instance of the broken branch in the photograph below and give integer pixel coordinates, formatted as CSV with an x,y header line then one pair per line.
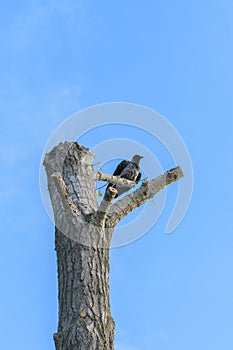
x,y
114,179
105,205
147,190
67,202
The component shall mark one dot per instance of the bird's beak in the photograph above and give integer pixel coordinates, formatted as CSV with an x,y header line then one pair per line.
x,y
141,157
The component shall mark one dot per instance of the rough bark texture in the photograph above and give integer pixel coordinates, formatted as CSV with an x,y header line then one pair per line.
x,y
85,321
82,239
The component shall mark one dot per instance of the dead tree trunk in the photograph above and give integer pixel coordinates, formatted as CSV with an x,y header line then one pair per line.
x,y
82,240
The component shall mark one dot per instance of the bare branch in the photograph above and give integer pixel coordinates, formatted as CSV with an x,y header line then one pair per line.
x,y
105,205
114,179
69,205
147,190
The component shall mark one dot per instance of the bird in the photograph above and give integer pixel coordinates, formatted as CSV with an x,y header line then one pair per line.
x,y
129,170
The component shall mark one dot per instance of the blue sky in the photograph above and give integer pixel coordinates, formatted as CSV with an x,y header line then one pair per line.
x,y
58,57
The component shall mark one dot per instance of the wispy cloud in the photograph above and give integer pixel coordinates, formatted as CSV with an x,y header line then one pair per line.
x,y
38,86
37,22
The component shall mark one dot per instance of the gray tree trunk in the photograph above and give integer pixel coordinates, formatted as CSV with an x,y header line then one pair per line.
x,y
82,240
85,320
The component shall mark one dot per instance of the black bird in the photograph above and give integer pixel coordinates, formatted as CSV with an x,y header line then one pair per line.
x,y
129,170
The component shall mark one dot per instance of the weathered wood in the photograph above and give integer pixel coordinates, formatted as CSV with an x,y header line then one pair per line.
x,y
85,321
147,190
114,179
82,240
105,205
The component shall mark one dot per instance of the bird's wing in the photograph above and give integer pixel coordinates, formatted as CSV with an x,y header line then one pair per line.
x,y
121,167
138,178
130,172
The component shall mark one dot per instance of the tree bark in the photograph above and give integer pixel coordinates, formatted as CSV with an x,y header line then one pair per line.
x,y
82,239
85,321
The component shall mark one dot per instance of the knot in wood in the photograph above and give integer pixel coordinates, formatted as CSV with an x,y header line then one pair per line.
x,y
83,313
